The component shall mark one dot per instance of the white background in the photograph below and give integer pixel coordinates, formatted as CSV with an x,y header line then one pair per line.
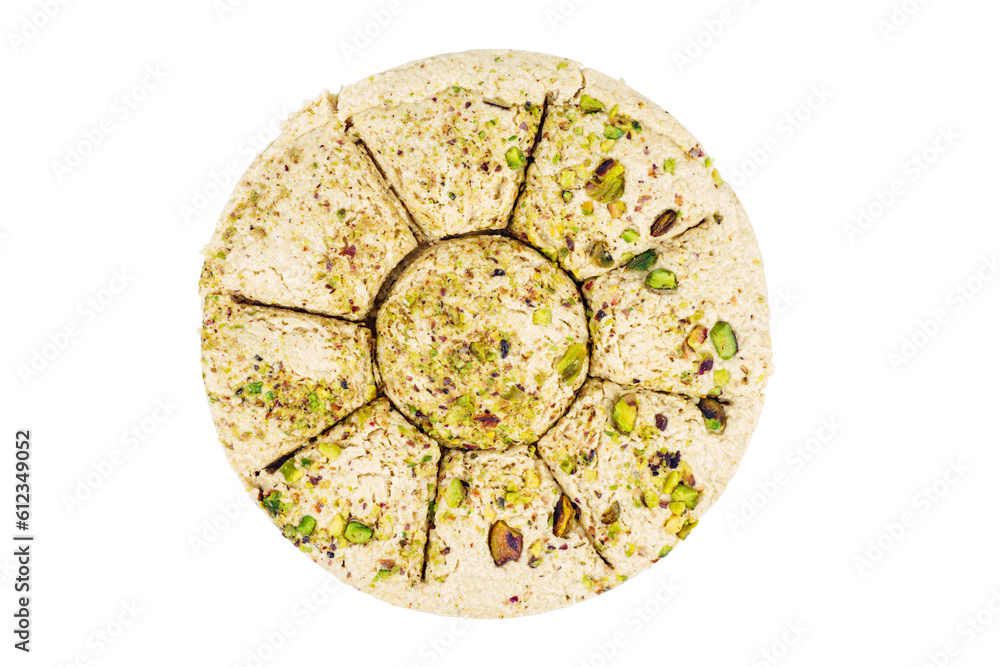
x,y
844,522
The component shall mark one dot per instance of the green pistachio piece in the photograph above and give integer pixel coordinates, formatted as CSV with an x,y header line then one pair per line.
x,y
482,352
724,340
455,493
589,105
567,179
600,254
459,411
663,224
642,261
661,280
357,533
608,182
329,451
272,503
714,414
685,494
612,514
671,482
664,551
290,531
650,499
306,525
290,472
629,235
697,337
567,196
514,394
677,507
686,529
505,543
571,364
722,377
541,316
337,526
617,210
515,158
625,412
563,516
612,132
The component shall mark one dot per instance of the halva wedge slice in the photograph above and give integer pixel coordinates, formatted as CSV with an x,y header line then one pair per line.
x,y
311,224
454,133
276,377
356,500
505,540
690,319
641,466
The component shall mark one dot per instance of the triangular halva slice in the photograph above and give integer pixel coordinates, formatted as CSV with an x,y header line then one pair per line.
x,y
311,224
642,467
503,542
356,500
275,377
613,176
453,133
692,320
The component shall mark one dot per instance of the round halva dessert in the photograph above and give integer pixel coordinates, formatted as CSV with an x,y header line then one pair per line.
x,y
486,334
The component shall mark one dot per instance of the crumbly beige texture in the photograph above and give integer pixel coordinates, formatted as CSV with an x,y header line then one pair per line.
x,y
630,503
456,159
513,77
651,339
472,340
275,377
372,470
311,224
571,212
516,488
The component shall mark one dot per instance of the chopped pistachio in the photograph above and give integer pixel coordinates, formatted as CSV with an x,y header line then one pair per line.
x,y
686,529
455,493
272,503
567,196
357,533
643,261
650,499
714,414
567,178
629,235
624,414
563,516
587,208
724,340
677,507
674,524
664,551
671,482
514,394
330,451
571,364
608,182
505,543
664,223
290,472
515,158
306,525
612,132
541,316
600,254
337,526
610,515
685,494
617,210
661,279
590,105
722,377
607,145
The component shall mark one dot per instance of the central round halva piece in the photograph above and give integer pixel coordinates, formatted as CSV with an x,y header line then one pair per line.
x,y
484,335
482,343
